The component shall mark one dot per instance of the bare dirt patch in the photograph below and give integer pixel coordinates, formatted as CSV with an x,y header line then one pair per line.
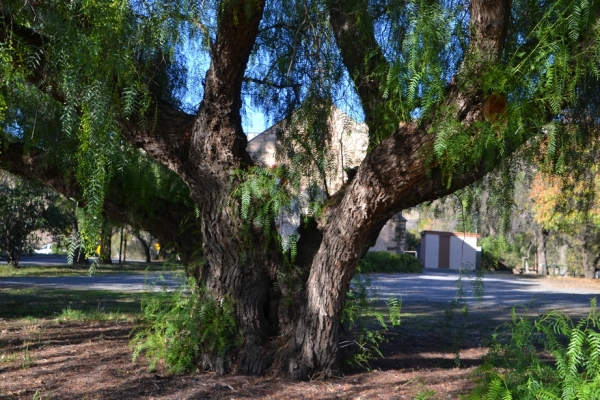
x,y
570,282
91,360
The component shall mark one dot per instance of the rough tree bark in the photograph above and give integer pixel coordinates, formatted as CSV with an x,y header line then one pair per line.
x,y
589,268
106,242
393,176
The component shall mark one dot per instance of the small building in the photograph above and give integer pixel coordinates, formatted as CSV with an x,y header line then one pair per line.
x,y
449,250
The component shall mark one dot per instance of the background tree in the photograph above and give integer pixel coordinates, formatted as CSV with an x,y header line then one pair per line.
x,y
448,90
24,209
572,210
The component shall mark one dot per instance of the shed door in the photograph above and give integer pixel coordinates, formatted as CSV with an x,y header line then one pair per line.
x,y
444,254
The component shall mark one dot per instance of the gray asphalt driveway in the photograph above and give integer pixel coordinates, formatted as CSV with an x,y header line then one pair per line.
x,y
116,282
500,291
432,287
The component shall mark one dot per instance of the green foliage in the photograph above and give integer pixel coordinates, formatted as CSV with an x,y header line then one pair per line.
x,y
514,369
266,199
413,239
425,395
94,314
382,261
25,208
183,324
425,38
539,62
356,317
27,360
501,253
106,61
454,328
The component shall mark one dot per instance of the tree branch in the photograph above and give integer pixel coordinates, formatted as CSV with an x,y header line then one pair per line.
x,y
166,137
170,222
361,54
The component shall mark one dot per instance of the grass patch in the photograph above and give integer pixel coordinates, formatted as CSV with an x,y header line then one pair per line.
x,y
27,303
79,270
93,314
25,359
10,357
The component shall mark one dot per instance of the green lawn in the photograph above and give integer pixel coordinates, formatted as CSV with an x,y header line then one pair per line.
x,y
28,303
102,269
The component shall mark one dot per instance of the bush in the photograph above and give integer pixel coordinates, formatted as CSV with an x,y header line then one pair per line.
x,y
182,324
381,261
513,368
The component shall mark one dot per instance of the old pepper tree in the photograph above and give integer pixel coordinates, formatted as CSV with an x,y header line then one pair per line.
x,y
448,90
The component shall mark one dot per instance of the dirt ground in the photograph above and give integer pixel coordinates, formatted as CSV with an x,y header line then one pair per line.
x,y
91,360
46,359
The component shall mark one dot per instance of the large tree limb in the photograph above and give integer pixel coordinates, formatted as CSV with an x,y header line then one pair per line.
x,y
170,222
362,56
394,175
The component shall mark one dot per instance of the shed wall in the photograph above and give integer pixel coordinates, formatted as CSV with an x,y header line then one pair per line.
x,y
432,251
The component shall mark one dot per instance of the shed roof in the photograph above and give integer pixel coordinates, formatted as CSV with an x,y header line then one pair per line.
x,y
459,234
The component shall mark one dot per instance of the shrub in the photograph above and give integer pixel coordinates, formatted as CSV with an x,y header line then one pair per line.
x,y
381,261
182,324
513,368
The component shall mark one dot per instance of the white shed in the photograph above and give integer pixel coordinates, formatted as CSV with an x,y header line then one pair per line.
x,y
449,250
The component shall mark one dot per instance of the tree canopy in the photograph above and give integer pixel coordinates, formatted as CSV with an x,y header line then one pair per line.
x,y
448,90
25,208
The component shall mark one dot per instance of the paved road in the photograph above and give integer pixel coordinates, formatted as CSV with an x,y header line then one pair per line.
x,y
432,288
116,282
500,291
47,259
40,259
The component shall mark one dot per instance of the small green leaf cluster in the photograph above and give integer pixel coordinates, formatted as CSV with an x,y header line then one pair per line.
x,y
363,341
183,324
513,369
382,261
264,193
